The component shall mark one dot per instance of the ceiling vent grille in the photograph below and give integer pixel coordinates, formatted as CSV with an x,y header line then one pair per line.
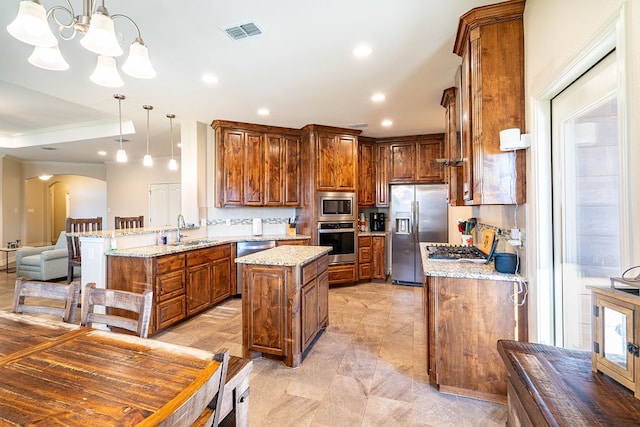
x,y
357,125
242,31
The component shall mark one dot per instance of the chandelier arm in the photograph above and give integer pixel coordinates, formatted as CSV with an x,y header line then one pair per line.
x,y
119,15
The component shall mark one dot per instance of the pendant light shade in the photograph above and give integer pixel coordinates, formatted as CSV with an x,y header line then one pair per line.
x,y
147,160
30,26
106,73
101,36
48,58
138,64
173,164
121,155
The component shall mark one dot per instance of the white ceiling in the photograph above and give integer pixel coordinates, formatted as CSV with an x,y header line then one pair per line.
x,y
301,68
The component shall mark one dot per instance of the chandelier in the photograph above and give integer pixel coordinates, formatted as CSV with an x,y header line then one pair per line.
x,y
31,26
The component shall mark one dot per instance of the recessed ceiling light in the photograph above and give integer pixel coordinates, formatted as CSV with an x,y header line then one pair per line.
x,y
263,111
209,79
378,97
102,153
362,51
386,123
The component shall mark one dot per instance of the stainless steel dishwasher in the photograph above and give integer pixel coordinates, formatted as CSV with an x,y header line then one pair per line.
x,y
246,248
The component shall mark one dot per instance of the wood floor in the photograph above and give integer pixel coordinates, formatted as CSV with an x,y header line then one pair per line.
x,y
367,369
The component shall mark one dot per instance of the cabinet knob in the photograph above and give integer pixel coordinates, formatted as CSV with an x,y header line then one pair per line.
x,y
633,349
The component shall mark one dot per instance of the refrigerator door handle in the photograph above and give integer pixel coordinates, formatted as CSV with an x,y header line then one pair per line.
x,y
416,220
412,221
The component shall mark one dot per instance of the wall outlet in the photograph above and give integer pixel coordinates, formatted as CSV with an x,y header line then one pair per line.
x,y
228,222
515,233
515,242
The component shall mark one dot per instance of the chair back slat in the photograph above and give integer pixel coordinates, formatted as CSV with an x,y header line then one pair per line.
x,y
68,293
116,299
123,222
78,225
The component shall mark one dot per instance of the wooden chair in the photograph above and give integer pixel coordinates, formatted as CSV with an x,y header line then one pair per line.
x,y
121,300
129,222
46,290
78,225
210,417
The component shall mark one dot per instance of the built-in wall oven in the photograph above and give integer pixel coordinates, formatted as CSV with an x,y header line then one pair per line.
x,y
341,236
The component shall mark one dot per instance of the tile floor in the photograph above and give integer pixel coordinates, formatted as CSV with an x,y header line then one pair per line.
x,y
367,369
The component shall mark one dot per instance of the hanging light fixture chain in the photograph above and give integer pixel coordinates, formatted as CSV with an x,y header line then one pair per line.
x,y
171,117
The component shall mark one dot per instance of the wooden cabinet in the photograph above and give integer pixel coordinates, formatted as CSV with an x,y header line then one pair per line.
x,y
336,163
340,274
412,159
452,147
490,41
382,175
371,258
283,310
256,165
366,173
465,318
183,284
615,328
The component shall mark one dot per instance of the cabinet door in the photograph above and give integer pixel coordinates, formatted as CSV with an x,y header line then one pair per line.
x,y
254,169
382,175
273,170
326,163
291,173
221,280
198,288
466,108
264,309
323,298
309,312
347,157
402,162
233,167
378,267
366,175
427,169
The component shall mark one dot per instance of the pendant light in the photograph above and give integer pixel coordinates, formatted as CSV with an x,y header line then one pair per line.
x,y
121,155
147,160
173,165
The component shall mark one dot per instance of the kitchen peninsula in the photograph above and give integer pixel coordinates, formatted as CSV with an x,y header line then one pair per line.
x,y
285,300
186,277
468,308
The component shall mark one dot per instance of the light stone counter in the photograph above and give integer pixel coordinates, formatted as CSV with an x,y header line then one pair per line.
x,y
373,233
288,256
462,269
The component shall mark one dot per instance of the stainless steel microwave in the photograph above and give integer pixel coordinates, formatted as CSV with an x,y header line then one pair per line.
x,y
336,206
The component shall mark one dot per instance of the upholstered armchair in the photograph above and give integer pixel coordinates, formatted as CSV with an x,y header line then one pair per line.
x,y
44,262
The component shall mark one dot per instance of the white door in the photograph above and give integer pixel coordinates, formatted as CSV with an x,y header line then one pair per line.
x,y
586,197
165,201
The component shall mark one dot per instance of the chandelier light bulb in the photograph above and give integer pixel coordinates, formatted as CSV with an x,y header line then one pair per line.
x,y
106,74
48,58
173,165
121,156
101,36
31,26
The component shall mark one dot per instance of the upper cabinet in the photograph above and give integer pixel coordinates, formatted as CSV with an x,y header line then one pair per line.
x,y
490,40
452,147
336,159
413,159
366,172
256,165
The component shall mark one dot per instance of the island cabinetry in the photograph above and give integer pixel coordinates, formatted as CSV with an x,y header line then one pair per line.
x,y
284,307
490,40
183,283
465,318
257,165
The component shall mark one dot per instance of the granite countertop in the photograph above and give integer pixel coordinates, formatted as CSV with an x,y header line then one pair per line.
x,y
129,231
464,270
196,243
372,233
288,256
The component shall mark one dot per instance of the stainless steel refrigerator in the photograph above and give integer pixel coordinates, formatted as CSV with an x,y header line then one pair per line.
x,y
418,214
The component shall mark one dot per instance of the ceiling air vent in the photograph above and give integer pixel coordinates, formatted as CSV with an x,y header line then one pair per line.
x,y
242,31
357,125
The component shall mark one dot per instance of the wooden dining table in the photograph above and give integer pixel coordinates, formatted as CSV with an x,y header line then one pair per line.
x,y
55,374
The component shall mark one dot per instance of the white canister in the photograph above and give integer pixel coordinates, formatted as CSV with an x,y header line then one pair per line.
x,y
257,226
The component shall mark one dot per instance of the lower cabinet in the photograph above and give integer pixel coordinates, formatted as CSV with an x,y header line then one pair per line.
x,y
340,274
183,284
371,258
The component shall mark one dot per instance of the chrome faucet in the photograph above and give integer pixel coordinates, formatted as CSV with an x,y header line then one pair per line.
x,y
181,223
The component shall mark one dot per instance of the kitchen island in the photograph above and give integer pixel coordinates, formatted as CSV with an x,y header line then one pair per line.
x,y
468,308
285,301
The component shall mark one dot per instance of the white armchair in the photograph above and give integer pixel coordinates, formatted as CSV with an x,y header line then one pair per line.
x,y
44,262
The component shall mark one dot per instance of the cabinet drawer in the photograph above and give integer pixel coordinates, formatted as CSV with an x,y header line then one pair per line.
x,y
364,241
309,272
170,284
323,263
364,254
364,271
206,255
165,264
170,311
342,273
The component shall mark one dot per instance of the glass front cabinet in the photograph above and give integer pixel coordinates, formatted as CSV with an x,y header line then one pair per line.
x,y
616,333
